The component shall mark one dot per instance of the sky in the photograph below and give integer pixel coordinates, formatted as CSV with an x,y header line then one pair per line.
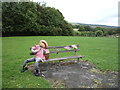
x,y
103,12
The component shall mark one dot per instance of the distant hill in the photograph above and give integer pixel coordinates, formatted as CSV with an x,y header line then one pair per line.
x,y
93,25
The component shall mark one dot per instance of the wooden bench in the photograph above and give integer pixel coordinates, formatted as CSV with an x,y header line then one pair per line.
x,y
55,49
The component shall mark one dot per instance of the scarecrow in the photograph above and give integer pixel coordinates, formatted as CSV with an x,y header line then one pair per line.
x,y
40,54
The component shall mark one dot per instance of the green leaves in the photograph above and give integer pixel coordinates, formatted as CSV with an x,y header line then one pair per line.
x,y
29,18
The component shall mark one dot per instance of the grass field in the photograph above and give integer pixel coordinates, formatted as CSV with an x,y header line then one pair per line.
x,y
101,51
0,63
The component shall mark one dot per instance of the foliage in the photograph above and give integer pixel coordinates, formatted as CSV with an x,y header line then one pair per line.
x,y
81,28
88,28
18,18
30,18
96,31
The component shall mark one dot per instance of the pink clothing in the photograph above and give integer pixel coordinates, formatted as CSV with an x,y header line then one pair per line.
x,y
40,51
68,48
40,54
35,47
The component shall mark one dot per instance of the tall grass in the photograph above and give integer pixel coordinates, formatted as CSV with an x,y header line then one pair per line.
x,y
101,51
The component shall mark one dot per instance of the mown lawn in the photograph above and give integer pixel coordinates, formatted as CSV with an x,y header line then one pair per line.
x,y
0,63
101,51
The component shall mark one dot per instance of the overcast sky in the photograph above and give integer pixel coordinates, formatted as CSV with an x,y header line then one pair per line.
x,y
104,12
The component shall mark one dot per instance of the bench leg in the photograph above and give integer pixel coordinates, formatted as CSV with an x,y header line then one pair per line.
x,y
60,62
78,59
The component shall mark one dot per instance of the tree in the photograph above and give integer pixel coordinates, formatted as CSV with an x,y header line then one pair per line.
x,y
81,28
88,28
29,18
19,18
99,33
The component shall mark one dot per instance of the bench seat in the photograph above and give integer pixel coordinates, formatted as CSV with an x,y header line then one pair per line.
x,y
62,58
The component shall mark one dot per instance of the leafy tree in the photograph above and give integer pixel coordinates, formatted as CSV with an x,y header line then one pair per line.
x,y
75,26
19,18
99,33
81,28
88,28
29,18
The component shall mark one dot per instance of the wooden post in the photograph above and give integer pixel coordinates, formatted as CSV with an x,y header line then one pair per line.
x,y
78,59
57,52
75,52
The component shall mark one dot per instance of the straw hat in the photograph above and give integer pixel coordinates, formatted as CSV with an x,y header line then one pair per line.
x,y
43,43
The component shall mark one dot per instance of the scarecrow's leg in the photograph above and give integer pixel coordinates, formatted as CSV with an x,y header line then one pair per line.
x,y
37,62
27,61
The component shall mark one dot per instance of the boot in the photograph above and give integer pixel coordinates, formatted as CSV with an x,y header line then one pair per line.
x,y
39,74
24,69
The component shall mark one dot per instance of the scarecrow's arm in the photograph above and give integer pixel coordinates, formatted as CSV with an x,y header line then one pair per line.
x,y
35,50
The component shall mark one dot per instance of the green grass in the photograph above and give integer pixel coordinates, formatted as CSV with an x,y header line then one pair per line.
x,y
1,63
101,51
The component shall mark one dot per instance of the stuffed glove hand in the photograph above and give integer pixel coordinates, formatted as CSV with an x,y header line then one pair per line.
x,y
74,46
34,49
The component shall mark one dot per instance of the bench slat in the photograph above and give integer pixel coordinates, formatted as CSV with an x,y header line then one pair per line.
x,y
53,47
78,56
64,51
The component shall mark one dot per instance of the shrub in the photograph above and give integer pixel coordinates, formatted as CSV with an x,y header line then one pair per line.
x,y
99,33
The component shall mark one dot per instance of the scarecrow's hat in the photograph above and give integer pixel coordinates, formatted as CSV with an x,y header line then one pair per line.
x,y
43,43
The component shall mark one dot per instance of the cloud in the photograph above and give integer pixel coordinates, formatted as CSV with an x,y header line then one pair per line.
x,y
87,11
113,21
111,18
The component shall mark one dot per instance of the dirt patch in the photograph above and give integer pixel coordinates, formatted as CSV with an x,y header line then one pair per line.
x,y
73,74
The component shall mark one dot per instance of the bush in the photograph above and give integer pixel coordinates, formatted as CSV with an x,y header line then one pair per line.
x,y
99,33
29,18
